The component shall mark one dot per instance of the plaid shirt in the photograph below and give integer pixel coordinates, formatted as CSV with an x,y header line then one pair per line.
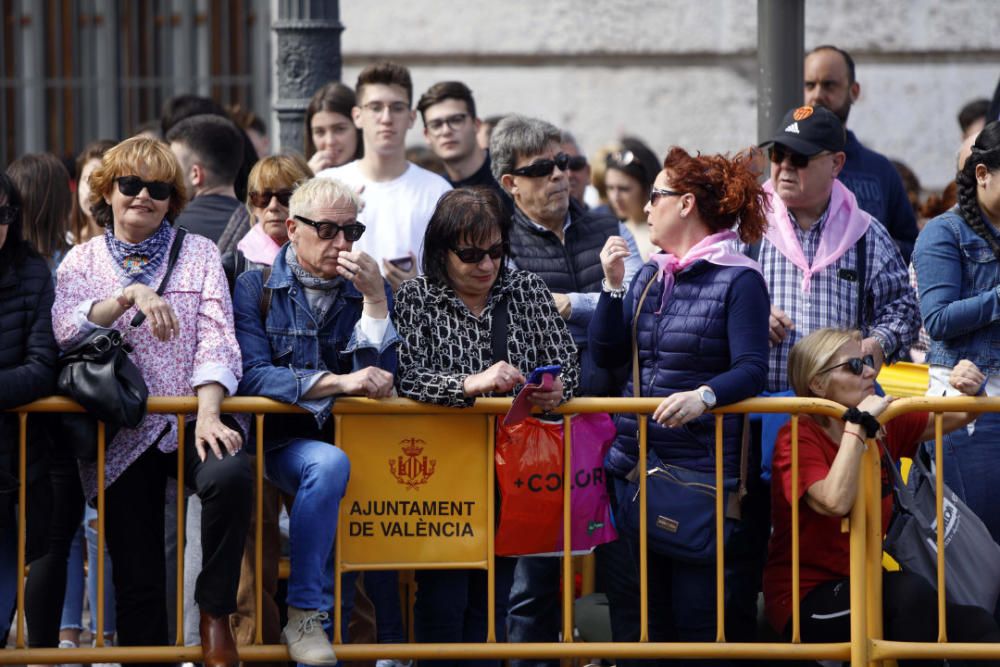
x,y
890,309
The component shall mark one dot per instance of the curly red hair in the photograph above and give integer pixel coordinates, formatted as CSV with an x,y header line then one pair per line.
x,y
725,188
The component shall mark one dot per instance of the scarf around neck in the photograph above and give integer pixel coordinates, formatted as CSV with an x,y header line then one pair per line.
x,y
845,224
139,261
327,288
716,248
258,247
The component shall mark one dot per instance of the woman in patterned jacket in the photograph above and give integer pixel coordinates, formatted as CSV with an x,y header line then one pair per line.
x,y
445,318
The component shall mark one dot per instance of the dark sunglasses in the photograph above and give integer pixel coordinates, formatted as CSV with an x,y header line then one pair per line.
x,y
263,199
799,161
656,193
9,215
329,230
130,186
576,163
855,364
544,167
474,255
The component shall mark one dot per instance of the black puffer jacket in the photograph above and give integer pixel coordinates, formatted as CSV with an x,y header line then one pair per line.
x,y
27,367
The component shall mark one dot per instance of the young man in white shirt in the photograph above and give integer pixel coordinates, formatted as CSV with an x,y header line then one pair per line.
x,y
399,197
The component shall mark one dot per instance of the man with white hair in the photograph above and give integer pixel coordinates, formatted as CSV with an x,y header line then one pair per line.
x,y
313,327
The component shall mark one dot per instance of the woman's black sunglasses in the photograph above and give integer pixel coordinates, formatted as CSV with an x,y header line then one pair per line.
x,y
475,255
329,230
263,199
855,364
544,167
130,186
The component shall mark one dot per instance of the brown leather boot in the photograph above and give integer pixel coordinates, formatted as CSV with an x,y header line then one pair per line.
x,y
217,645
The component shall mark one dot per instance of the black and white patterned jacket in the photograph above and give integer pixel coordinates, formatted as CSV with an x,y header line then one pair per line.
x,y
443,342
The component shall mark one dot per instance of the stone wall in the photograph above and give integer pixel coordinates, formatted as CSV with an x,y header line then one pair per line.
x,y
685,72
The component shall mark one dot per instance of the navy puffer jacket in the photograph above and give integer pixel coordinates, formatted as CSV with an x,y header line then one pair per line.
x,y
681,349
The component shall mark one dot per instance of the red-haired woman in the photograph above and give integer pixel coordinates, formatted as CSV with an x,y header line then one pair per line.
x,y
702,342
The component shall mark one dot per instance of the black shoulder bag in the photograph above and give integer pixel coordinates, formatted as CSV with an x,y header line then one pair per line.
x,y
98,374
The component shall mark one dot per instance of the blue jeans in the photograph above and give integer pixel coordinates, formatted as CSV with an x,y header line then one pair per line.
x,y
535,604
451,608
72,614
383,590
316,473
8,581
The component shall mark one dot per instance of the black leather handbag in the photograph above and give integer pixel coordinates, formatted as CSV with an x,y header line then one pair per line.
x,y
98,374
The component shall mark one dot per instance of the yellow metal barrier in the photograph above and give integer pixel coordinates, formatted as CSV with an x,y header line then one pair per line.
x,y
865,547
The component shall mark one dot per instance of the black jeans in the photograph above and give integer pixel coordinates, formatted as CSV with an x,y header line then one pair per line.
x,y
134,522
909,614
45,587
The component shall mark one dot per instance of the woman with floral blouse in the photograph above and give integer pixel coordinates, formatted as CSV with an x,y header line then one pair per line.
x,y
445,318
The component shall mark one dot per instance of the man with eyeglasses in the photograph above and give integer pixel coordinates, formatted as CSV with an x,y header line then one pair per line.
x,y
313,327
553,236
450,128
399,196
579,171
209,150
830,82
810,254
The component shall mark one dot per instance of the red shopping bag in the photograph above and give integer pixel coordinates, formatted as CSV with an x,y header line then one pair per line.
x,y
529,465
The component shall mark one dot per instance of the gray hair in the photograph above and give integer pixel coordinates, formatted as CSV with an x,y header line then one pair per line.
x,y
318,192
517,136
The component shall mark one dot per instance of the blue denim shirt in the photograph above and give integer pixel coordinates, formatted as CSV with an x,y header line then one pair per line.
x,y
958,278
283,359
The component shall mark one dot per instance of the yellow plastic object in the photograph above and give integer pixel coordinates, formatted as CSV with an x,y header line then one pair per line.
x,y
904,379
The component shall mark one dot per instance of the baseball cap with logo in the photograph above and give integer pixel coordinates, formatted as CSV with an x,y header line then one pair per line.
x,y
810,130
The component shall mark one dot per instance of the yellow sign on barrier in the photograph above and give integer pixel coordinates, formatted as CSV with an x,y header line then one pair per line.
x,y
417,490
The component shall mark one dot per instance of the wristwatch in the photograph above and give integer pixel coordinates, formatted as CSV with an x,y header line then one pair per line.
x,y
707,396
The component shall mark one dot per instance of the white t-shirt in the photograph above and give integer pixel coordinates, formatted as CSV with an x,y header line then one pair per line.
x,y
395,212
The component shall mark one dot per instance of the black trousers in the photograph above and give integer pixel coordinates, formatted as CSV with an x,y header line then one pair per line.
x,y
909,614
134,523
45,587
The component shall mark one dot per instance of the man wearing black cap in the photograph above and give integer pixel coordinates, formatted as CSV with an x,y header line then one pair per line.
x,y
816,236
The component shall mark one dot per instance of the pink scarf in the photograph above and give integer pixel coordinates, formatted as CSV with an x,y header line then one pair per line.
x,y
845,224
717,249
258,247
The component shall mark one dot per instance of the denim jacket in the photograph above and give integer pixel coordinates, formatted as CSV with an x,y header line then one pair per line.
x,y
283,358
958,278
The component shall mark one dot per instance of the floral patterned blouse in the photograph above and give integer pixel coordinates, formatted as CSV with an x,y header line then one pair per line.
x,y
443,342
205,351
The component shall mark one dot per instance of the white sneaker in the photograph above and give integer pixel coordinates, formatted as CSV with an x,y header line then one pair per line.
x,y
66,643
306,640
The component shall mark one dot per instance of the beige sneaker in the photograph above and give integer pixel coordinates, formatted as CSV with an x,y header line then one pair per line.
x,y
306,640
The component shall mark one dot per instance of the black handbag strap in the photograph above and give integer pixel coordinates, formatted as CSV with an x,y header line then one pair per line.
x,y
175,250
498,332
636,391
861,250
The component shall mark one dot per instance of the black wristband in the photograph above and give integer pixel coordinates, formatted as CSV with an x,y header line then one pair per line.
x,y
863,419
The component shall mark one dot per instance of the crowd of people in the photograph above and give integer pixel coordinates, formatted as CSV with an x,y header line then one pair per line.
x,y
792,268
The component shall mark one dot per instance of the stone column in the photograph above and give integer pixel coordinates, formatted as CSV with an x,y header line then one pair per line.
x,y
306,44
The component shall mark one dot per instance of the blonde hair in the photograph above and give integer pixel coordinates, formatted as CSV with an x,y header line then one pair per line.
x,y
134,157
813,353
322,192
277,172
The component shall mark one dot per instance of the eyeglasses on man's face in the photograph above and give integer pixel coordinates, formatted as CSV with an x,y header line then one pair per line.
x,y
378,108
453,122
778,154
327,230
543,167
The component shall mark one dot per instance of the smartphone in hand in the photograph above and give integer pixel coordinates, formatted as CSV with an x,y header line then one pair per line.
x,y
535,377
403,263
